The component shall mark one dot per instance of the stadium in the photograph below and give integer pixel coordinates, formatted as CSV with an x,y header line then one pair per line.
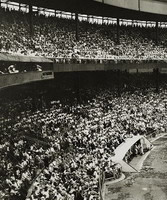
x,y
83,100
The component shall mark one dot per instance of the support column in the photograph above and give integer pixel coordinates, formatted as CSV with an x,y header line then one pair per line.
x,y
88,18
118,31
31,20
71,16
103,12
60,14
108,21
102,20
19,7
119,82
156,39
76,27
77,86
139,5
156,71
38,10
146,24
92,19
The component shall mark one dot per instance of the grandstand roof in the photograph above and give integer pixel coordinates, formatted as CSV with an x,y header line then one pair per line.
x,y
20,58
91,7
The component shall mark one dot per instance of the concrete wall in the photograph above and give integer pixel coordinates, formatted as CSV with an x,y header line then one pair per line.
x,y
151,6
21,78
131,67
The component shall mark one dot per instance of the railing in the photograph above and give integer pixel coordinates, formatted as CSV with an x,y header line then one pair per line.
x,y
101,184
61,60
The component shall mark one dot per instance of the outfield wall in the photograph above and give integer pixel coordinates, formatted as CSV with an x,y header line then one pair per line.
x,y
21,78
129,67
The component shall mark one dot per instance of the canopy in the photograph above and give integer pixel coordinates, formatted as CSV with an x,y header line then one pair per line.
x,y
122,149
19,58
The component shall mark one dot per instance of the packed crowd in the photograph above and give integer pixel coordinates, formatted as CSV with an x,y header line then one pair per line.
x,y
55,37
63,149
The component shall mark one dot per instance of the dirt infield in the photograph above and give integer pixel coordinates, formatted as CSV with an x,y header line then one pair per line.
x,y
150,183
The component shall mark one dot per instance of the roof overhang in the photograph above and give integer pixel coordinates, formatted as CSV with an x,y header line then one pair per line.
x,y
4,57
91,7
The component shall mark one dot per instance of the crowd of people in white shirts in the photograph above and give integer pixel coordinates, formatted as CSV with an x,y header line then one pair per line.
x,y
55,37
60,151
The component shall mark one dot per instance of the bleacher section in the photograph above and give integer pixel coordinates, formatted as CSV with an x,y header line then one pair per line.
x,y
55,37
